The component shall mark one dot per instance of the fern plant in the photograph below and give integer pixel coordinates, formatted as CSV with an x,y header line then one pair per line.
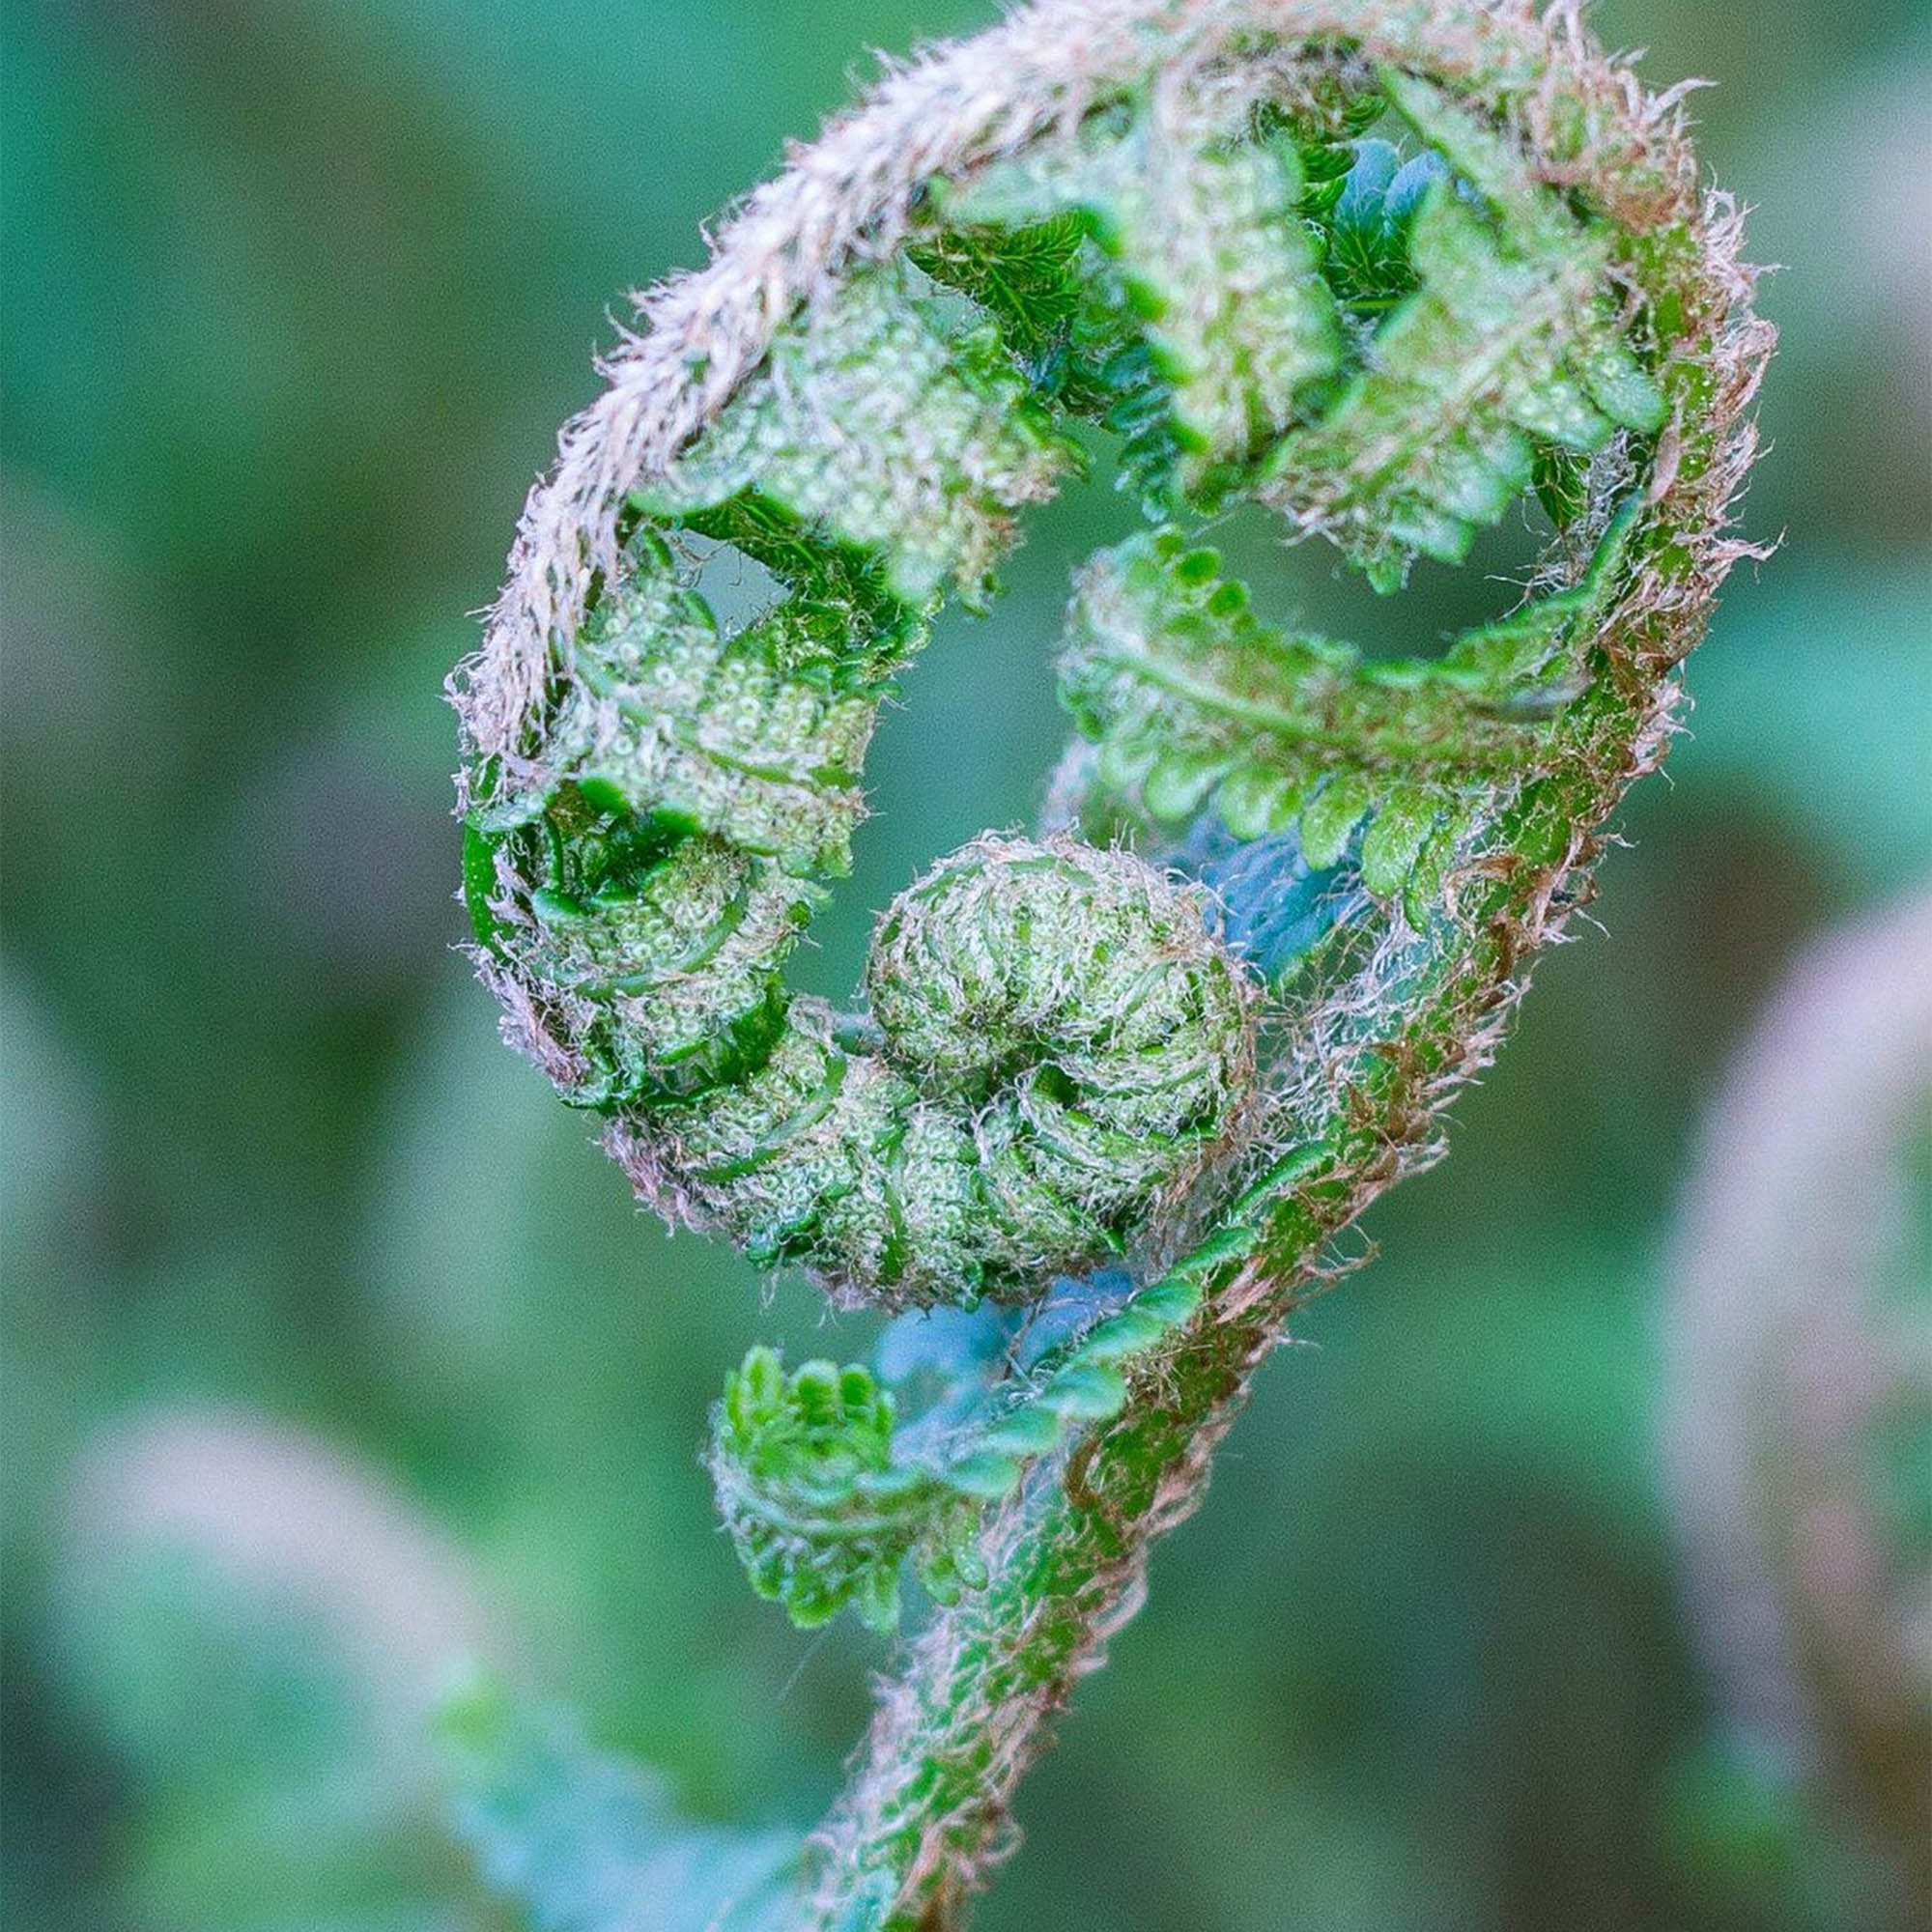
x,y
1109,1092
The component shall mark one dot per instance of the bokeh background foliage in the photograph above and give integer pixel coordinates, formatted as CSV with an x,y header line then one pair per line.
x,y
331,1345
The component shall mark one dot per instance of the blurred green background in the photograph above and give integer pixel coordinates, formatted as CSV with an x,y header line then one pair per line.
x,y
297,291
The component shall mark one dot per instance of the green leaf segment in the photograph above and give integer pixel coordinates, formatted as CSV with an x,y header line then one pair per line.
x,y
1188,695
1509,341
1394,273
825,1506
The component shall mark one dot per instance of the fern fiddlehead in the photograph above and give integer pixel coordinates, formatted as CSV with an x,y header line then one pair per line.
x,y
1286,895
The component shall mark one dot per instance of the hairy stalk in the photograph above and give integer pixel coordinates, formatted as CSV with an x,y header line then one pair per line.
x,y
1127,1080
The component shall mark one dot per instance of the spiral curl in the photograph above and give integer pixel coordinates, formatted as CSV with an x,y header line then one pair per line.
x,y
1058,1043
1057,1052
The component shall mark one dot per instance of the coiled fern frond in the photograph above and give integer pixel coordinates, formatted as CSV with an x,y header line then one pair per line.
x,y
1108,1092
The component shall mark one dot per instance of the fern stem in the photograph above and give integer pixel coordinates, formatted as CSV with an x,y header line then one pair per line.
x,y
925,1816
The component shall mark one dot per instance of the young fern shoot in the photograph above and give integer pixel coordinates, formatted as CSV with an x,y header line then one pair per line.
x,y
1109,1092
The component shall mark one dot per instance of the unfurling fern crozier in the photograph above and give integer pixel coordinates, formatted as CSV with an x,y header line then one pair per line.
x,y
1106,1092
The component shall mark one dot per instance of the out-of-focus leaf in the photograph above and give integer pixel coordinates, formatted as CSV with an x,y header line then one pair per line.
x,y
582,1842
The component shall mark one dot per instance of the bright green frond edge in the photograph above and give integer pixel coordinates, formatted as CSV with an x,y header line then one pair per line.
x,y
1110,1091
